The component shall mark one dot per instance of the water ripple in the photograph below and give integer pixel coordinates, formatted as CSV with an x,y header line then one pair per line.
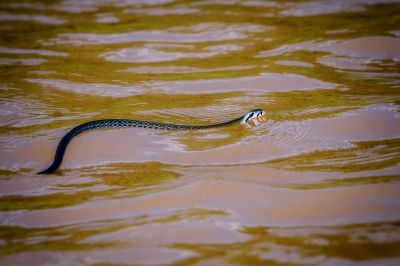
x,y
51,20
330,7
7,50
203,32
155,53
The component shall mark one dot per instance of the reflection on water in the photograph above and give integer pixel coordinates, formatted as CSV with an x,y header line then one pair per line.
x,y
162,11
204,32
313,182
4,17
313,8
376,47
5,50
154,53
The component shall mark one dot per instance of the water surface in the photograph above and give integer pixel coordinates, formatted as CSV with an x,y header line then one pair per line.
x,y
317,183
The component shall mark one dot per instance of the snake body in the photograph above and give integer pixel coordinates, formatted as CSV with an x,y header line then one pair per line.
x,y
126,123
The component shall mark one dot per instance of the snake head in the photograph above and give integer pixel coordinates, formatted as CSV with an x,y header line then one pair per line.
x,y
255,114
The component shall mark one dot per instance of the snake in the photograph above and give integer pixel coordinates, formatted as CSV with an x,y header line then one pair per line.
x,y
128,123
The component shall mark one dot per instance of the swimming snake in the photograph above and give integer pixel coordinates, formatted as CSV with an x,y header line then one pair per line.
x,y
125,123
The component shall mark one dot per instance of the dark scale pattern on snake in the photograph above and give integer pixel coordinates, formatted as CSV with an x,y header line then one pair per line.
x,y
124,123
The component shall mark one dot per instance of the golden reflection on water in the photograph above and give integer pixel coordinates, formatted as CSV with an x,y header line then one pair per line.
x,y
315,181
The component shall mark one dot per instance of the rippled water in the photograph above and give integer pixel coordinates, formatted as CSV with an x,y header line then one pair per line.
x,y
316,184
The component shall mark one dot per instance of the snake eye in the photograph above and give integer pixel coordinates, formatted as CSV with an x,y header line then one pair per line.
x,y
250,116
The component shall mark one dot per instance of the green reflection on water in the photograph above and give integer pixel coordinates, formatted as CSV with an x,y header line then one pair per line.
x,y
132,179
303,245
364,156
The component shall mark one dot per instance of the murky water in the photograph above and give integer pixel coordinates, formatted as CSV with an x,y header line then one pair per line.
x,y
318,183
